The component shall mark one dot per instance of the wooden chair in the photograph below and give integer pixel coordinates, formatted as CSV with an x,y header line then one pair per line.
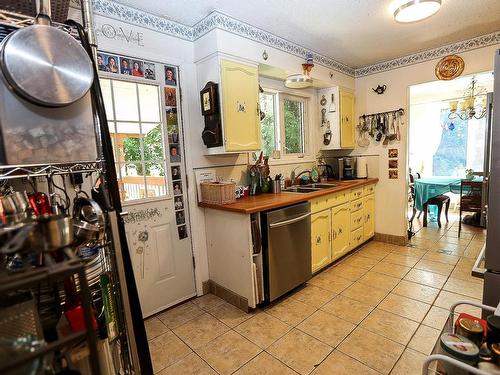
x,y
470,198
438,201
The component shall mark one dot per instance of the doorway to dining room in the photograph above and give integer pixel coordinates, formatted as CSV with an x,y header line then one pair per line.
x,y
448,154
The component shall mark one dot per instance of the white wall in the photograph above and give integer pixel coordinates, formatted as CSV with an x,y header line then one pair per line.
x,y
391,198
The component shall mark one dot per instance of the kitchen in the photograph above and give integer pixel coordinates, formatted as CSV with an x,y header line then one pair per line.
x,y
162,112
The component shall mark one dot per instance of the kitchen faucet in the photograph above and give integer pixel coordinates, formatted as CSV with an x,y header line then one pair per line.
x,y
293,177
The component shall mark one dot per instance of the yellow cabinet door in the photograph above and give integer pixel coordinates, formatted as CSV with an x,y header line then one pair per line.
x,y
240,109
320,240
341,229
346,119
369,214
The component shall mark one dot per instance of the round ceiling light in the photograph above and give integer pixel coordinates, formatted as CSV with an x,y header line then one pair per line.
x,y
298,81
416,10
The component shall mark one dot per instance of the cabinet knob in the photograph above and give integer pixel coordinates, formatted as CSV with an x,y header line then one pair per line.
x,y
318,240
340,230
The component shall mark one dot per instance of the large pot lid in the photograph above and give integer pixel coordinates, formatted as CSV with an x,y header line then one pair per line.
x,y
46,66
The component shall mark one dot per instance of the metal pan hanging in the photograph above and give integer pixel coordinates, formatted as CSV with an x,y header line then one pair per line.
x,y
45,65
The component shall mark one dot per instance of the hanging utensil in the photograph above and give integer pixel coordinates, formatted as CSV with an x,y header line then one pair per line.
x,y
322,101
45,65
323,116
333,106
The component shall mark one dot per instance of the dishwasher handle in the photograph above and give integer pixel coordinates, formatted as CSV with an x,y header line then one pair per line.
x,y
291,221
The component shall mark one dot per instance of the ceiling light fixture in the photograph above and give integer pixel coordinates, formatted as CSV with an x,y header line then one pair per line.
x,y
416,10
301,81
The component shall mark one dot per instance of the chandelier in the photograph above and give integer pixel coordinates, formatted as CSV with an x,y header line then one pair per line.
x,y
473,104
304,80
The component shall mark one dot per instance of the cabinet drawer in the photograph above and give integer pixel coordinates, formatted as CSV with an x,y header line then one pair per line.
x,y
356,237
319,204
356,205
356,193
357,219
338,198
367,190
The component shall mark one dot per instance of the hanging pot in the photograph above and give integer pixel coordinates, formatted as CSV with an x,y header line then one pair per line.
x,y
45,65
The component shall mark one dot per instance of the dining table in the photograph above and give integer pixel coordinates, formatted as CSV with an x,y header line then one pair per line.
x,y
429,187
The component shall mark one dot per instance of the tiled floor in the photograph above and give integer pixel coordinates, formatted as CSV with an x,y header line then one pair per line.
x,y
378,311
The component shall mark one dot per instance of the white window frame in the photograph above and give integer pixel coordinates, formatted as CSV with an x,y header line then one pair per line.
x,y
279,127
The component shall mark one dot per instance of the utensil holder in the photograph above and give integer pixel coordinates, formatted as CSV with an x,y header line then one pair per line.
x,y
276,187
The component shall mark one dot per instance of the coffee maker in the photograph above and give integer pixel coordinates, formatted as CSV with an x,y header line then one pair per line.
x,y
344,168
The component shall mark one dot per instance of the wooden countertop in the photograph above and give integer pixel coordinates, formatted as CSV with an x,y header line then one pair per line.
x,y
267,201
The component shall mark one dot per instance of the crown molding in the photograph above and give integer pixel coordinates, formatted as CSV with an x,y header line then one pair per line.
x,y
430,54
217,20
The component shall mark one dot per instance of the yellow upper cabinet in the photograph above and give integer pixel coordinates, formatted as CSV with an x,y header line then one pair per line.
x,y
347,126
240,108
320,240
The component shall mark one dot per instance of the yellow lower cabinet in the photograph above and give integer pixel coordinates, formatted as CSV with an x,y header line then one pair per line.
x,y
341,223
369,216
356,238
320,240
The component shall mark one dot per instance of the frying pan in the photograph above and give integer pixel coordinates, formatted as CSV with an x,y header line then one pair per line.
x,y
45,65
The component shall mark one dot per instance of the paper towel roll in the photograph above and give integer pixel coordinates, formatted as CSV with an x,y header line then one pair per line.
x,y
361,167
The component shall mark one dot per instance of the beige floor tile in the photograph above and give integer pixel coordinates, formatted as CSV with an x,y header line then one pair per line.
x,y
313,295
326,327
360,261
436,267
405,307
472,253
445,299
365,293
375,351
299,351
466,263
208,301
390,269
426,278
424,339
228,352
452,237
403,260
154,327
441,258
347,272
189,365
374,252
348,309
436,317
230,315
390,326
409,251
467,288
465,274
201,330
338,363
265,364
179,315
166,350
416,291
331,282
291,311
379,280
409,363
263,329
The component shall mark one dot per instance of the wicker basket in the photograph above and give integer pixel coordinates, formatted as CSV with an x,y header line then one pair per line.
x,y
218,192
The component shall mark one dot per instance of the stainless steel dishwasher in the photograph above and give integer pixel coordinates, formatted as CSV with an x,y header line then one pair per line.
x,y
287,250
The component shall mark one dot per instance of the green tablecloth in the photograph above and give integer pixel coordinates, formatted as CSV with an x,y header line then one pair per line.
x,y
428,187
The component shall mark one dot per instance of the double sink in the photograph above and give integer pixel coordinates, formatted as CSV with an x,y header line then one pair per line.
x,y
309,188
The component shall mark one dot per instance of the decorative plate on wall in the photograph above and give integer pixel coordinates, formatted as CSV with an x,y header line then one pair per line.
x,y
449,67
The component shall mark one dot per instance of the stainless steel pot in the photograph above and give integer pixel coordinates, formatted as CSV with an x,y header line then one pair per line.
x,y
56,232
45,65
84,231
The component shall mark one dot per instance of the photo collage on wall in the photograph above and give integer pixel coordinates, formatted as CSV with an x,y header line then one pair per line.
x,y
126,66
174,148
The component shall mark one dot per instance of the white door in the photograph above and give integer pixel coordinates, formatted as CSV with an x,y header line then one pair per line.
x,y
144,132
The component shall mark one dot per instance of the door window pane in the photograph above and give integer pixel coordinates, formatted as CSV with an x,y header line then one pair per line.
x,y
138,139
108,99
149,102
125,99
293,112
268,124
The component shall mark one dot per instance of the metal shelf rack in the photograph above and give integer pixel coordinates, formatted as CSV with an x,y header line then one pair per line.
x,y
9,172
51,272
448,327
